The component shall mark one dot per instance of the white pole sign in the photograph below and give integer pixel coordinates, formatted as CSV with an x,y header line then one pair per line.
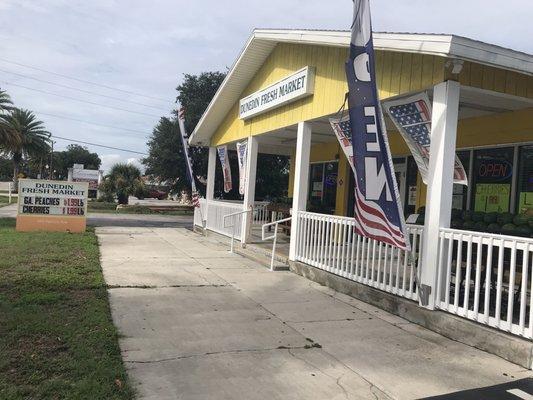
x,y
294,87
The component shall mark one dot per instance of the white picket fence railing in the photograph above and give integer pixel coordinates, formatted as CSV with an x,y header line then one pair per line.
x,y
261,214
214,215
487,278
6,189
330,243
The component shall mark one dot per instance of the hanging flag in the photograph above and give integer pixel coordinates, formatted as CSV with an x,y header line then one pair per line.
x,y
378,213
412,117
185,143
242,154
343,132
226,170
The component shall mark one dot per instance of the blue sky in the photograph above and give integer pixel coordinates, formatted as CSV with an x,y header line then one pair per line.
x,y
145,47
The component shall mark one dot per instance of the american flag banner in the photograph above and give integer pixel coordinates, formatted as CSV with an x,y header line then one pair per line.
x,y
378,213
343,132
412,117
242,155
188,162
226,169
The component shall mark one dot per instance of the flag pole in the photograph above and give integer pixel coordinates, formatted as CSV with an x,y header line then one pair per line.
x,y
188,163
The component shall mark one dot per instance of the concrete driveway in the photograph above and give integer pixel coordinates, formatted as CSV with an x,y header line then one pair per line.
x,y
201,323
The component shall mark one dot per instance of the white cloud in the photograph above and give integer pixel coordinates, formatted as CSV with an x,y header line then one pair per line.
x,y
108,160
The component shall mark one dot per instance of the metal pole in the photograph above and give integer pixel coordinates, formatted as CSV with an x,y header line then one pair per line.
x,y
274,247
51,174
232,236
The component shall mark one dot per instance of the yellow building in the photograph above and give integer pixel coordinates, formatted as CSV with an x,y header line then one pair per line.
x,y
482,98
495,106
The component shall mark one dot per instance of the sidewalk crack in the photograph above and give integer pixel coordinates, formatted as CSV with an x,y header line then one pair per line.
x,y
214,353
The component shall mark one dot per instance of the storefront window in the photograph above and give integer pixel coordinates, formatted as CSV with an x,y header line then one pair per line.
x,y
323,187
525,179
493,172
460,192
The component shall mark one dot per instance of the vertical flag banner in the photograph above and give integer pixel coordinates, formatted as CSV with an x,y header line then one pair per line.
x,y
412,117
242,155
378,213
226,170
188,162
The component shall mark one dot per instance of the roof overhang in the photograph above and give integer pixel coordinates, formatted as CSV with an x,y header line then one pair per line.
x,y
263,41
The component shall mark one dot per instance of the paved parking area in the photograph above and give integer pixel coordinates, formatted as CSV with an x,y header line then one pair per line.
x,y
201,323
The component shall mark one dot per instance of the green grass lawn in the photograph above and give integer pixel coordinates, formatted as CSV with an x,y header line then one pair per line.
x,y
4,200
57,339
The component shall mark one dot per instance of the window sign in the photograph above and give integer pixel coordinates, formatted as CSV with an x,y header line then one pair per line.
x,y
525,179
493,172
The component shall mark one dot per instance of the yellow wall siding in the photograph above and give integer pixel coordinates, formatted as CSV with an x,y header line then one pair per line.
x,y
396,73
490,78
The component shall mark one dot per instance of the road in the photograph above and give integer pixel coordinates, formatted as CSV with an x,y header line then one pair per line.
x,y
198,322
128,220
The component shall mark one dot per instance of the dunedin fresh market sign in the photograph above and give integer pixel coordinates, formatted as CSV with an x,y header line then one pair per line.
x,y
52,205
292,88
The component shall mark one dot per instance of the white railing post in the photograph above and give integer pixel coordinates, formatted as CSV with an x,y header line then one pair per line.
x,y
301,177
10,188
440,185
274,236
249,187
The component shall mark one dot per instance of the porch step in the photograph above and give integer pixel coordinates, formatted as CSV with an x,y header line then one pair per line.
x,y
263,257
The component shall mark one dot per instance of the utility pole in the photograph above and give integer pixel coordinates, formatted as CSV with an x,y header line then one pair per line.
x,y
51,173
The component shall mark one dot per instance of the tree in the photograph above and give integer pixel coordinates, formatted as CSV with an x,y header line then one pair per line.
x,y
165,159
7,136
194,95
74,154
122,181
5,101
32,138
6,169
272,180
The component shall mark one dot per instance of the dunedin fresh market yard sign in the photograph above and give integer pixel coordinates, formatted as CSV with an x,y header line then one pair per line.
x,y
52,205
294,87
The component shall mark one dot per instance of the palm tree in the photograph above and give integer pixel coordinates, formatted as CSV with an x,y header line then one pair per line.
x,y
122,181
7,137
5,101
32,138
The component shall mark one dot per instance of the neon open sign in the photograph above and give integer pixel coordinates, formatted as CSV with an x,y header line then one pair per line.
x,y
496,169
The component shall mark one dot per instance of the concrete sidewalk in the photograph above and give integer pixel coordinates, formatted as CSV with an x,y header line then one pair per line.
x,y
201,323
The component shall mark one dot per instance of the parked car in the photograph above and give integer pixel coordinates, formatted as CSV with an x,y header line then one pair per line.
x,y
157,194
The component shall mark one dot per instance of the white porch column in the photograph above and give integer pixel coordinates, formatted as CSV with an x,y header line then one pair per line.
x,y
440,185
301,181
249,187
211,168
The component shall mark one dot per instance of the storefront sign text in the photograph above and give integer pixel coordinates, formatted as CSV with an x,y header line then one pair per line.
x,y
292,88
